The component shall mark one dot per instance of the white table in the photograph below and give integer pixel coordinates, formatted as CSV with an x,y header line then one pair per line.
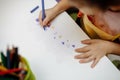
x,y
48,58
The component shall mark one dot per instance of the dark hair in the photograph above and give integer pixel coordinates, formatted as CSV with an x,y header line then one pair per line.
x,y
103,4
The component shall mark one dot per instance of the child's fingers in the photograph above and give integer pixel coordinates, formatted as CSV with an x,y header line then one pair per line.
x,y
46,22
82,56
82,50
95,62
40,19
86,60
87,41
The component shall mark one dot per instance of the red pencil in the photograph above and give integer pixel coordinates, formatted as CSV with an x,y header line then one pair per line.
x,y
9,71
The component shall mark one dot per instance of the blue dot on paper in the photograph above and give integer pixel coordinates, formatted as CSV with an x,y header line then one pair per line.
x,y
63,43
37,20
73,46
54,37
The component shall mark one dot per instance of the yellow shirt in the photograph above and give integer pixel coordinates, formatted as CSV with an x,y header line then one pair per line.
x,y
95,32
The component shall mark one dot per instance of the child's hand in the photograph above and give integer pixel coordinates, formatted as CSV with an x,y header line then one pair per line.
x,y
50,15
94,51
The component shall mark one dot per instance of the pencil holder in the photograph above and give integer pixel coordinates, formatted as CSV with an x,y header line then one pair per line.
x,y
22,73
29,75
14,66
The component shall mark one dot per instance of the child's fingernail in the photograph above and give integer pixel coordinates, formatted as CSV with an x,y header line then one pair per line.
x,y
92,66
76,50
80,61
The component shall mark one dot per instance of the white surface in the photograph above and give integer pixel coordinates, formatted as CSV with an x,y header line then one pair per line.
x,y
48,58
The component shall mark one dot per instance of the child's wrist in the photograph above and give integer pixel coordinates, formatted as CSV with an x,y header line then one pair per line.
x,y
56,11
113,47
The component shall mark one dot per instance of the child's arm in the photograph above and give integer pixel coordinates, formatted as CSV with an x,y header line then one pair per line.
x,y
53,12
115,48
95,50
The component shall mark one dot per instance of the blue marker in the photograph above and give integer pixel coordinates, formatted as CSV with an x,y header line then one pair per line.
x,y
34,9
43,12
